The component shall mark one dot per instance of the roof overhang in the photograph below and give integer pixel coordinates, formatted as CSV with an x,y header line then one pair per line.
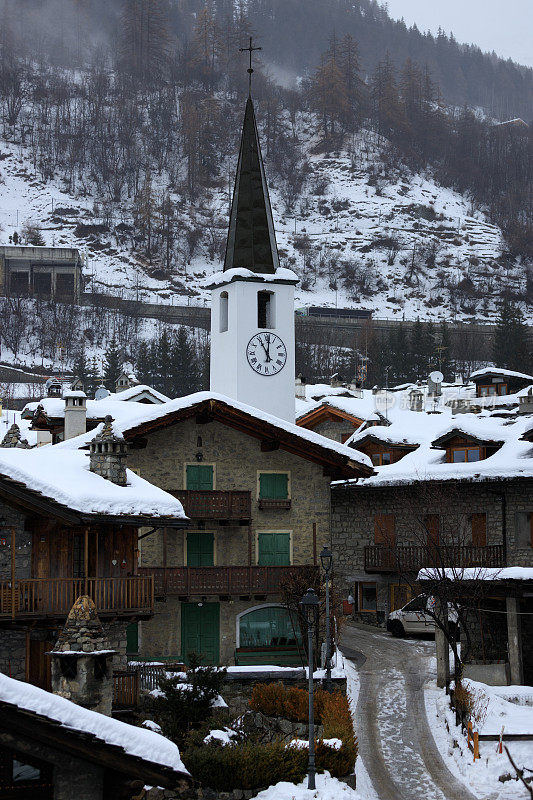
x,y
457,432
324,413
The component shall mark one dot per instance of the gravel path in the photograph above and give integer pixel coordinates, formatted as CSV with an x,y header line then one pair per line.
x,y
395,742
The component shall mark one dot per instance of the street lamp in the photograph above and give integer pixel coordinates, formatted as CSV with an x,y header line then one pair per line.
x,y
309,608
326,557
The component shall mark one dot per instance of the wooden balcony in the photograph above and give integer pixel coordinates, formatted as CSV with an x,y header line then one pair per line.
x,y
244,581
412,558
217,505
54,597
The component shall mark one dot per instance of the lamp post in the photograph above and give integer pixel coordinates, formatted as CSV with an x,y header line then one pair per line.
x,y
326,557
309,608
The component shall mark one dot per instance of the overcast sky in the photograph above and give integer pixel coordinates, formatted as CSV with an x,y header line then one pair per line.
x,y
505,26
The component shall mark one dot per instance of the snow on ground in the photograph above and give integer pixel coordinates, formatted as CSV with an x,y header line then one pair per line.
x,y
482,776
327,788
340,217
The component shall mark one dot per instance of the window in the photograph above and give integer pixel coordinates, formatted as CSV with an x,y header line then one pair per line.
x,y
380,459
199,477
479,530
223,326
368,597
492,390
132,638
432,526
524,529
100,667
265,310
384,529
274,485
274,549
200,549
460,455
269,626
68,666
78,556
418,604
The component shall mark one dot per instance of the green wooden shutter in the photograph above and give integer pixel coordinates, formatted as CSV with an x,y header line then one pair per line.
x,y
200,549
274,549
274,486
132,638
200,477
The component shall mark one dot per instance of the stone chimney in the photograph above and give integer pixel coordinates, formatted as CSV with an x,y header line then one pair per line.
x,y
526,403
13,438
336,381
82,663
416,400
75,413
109,454
299,387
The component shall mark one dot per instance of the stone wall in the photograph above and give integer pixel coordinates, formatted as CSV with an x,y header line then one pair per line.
x,y
237,461
354,509
115,633
13,654
338,430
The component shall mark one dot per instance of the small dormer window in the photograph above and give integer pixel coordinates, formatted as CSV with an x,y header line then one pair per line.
x,y
381,459
460,455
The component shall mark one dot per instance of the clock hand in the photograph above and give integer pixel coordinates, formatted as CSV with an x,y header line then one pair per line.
x,y
267,337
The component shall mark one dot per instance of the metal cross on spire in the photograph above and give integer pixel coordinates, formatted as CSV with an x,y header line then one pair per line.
x,y
250,49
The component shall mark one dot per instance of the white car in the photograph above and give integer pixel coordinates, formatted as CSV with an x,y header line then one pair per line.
x,y
413,618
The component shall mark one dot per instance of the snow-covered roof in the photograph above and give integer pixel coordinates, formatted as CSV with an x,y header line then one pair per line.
x,y
134,741
134,392
281,275
513,459
147,414
505,373
477,574
61,474
54,407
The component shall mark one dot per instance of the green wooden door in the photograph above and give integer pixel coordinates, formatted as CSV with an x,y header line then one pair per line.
x,y
200,477
200,631
274,549
200,549
274,485
132,638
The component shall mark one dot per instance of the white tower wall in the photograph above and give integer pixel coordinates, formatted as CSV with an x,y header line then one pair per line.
x,y
230,372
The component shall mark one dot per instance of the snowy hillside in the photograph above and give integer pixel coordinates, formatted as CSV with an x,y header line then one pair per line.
x,y
362,233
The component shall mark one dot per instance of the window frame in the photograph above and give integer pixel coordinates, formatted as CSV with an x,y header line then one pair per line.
x,y
360,597
466,448
202,531
275,530
380,457
260,472
199,464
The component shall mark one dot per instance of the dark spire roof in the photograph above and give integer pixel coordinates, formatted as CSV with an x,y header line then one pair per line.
x,y
251,239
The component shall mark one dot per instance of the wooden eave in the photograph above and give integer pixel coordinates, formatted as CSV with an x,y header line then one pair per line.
x,y
456,432
87,747
324,413
389,445
338,465
18,495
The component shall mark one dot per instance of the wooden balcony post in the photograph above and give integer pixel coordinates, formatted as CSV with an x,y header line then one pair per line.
x,y
85,559
13,573
165,546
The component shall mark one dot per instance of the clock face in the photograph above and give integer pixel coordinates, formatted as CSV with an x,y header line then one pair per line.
x,y
266,353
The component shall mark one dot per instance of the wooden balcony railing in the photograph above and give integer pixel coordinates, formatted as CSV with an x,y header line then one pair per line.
x,y
50,597
221,505
411,558
187,581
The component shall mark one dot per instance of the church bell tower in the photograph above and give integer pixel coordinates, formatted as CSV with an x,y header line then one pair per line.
x,y
252,301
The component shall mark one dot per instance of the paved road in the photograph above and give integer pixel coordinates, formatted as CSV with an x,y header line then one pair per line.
x,y
395,742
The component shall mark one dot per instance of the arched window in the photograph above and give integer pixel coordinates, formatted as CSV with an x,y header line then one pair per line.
x,y
267,626
223,326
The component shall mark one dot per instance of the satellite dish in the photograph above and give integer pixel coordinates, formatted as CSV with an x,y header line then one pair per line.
x,y
101,393
436,377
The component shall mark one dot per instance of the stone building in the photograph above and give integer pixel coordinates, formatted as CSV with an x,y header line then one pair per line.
x,y
70,527
455,492
257,490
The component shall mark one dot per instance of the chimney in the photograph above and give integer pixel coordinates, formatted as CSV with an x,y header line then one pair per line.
x,y
299,386
416,400
75,413
336,381
13,438
109,454
81,661
525,403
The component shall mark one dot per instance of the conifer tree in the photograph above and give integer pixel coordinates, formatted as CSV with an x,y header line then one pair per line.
x,y
112,365
184,366
512,347
81,369
144,39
